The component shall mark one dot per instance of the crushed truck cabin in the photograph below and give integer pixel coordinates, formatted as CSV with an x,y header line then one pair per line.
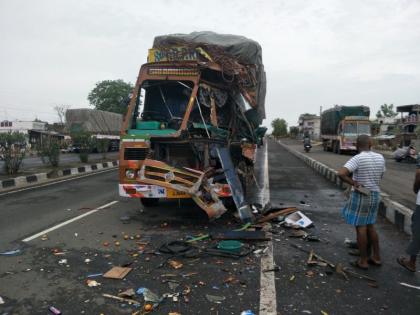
x,y
193,123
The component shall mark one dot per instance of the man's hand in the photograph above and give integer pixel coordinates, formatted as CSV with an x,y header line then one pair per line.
x,y
344,174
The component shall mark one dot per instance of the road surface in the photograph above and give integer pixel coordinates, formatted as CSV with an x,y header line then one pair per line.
x,y
38,278
397,181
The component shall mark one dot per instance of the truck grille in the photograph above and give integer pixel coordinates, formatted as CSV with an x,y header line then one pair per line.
x,y
135,153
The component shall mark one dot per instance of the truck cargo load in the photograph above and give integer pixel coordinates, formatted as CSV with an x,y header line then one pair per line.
x,y
193,122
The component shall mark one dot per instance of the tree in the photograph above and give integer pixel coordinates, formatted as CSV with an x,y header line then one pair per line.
x,y
61,112
111,95
386,111
294,131
102,145
49,151
12,150
279,127
84,141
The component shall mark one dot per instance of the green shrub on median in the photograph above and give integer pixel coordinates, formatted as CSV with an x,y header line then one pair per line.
x,y
12,151
49,151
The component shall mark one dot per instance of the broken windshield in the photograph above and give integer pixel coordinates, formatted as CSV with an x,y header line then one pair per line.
x,y
163,100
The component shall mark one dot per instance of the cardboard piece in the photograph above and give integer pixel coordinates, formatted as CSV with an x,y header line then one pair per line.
x,y
299,219
117,272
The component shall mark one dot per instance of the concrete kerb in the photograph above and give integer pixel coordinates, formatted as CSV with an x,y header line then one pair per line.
x,y
23,181
393,211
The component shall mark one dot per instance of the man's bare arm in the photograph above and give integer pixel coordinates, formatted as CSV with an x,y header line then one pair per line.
x,y
416,185
344,174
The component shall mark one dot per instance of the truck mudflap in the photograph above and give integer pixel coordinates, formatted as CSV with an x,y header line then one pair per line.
x,y
197,184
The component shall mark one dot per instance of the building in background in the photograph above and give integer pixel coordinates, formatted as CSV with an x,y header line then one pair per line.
x,y
310,124
407,124
35,131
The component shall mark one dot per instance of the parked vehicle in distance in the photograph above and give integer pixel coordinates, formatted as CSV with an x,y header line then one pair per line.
x,y
341,125
408,154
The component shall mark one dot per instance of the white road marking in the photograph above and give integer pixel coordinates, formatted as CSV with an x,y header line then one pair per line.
x,y
30,238
268,297
58,181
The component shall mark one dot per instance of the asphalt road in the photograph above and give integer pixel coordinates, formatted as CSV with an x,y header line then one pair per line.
x,y
397,181
34,280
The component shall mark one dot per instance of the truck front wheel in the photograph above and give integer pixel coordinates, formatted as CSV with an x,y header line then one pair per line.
x,y
149,202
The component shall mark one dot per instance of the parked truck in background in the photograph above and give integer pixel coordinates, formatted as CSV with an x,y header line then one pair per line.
x,y
100,124
341,125
193,122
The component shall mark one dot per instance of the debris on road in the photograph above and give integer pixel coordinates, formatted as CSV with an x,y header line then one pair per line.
x,y
121,299
175,264
94,275
241,235
149,296
54,310
276,214
129,293
298,219
1,300
92,283
117,272
62,261
247,312
215,298
11,252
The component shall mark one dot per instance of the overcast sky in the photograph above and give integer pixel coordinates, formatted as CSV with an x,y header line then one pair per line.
x,y
316,53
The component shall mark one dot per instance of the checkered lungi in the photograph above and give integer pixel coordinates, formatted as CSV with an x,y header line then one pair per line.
x,y
361,209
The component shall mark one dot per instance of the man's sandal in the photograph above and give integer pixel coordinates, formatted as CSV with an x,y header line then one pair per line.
x,y
403,262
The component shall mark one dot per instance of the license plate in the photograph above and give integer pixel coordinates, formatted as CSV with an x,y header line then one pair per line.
x,y
170,193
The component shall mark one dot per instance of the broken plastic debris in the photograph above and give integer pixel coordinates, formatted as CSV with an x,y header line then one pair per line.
x,y
87,260
247,312
93,275
54,310
11,252
148,295
92,283
127,293
175,264
44,237
121,299
62,261
299,219
215,298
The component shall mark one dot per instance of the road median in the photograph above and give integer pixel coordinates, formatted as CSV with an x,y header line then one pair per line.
x,y
10,184
393,211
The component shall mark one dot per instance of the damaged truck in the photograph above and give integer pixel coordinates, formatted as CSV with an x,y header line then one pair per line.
x,y
193,123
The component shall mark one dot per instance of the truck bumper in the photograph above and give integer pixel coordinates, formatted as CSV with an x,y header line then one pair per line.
x,y
149,191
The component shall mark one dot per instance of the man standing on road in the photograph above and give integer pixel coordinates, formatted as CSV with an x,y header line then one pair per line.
x,y
414,246
362,207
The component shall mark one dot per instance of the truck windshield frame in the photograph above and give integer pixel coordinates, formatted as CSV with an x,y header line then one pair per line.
x,y
354,128
162,100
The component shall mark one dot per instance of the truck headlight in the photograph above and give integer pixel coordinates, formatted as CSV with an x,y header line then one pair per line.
x,y
130,174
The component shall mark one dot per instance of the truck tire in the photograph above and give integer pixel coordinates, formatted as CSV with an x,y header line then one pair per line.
x,y
149,202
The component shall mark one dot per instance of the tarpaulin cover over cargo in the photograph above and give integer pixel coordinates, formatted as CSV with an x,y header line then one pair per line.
x,y
240,59
92,120
332,117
